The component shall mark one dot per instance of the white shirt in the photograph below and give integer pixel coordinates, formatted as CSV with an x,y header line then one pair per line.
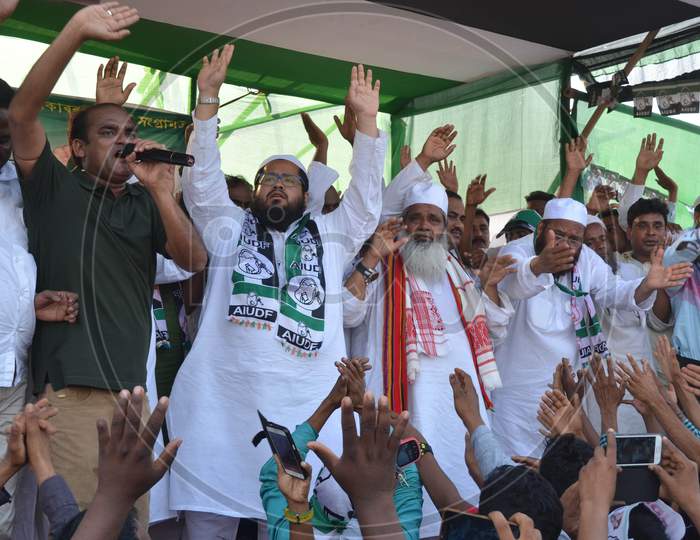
x,y
232,371
540,333
17,283
430,400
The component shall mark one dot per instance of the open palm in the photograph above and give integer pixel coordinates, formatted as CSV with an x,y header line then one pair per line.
x,y
110,83
650,153
105,22
663,277
363,98
213,72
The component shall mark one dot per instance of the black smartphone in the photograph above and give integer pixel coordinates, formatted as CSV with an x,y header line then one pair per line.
x,y
461,526
409,452
282,444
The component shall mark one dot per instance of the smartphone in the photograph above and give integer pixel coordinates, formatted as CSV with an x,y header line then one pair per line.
x,y
636,484
635,450
409,452
282,444
462,526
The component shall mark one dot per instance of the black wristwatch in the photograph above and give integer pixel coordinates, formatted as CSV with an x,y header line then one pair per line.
x,y
425,448
368,274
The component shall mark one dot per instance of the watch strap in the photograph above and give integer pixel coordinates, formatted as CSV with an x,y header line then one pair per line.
x,y
369,274
294,517
206,100
425,448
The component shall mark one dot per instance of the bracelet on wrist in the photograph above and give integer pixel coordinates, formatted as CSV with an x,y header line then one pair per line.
x,y
297,518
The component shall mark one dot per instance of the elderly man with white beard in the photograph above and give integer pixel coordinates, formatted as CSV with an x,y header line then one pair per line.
x,y
425,318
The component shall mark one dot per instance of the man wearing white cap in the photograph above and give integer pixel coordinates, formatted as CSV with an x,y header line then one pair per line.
x,y
426,318
551,299
271,324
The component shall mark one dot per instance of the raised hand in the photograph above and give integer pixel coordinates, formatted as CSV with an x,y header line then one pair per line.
x,y
663,277
17,445
556,257
104,22
7,8
495,270
157,178
447,173
56,306
666,182
640,381
525,525
559,416
110,83
349,124
691,375
679,476
668,361
466,399
385,240
295,490
600,198
316,135
363,98
366,469
607,388
477,192
405,157
650,153
353,371
126,469
576,159
437,146
213,72
565,381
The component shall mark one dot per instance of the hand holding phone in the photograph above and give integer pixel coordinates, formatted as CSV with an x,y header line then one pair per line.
x,y
282,445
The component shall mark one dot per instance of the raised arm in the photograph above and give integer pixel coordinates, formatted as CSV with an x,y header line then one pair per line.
x,y
649,157
104,22
576,162
204,185
437,146
476,195
359,211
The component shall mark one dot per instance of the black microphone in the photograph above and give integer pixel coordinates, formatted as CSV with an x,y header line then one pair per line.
x,y
156,154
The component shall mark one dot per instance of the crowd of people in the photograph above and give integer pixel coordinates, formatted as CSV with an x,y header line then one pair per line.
x,y
152,314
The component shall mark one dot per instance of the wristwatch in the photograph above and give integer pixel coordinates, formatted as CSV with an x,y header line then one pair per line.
x,y
206,100
425,448
368,274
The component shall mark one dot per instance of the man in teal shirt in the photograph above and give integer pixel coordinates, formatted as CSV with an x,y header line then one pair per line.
x,y
332,511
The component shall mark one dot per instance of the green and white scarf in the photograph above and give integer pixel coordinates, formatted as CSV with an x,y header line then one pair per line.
x,y
590,338
295,312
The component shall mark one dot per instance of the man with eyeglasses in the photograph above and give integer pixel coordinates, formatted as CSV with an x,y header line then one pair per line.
x,y
551,301
271,328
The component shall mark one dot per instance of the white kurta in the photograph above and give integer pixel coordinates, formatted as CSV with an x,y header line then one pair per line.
x,y
539,334
232,371
430,398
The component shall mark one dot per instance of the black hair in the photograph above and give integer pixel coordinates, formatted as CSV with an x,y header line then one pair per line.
x,y
233,180
78,127
128,532
480,212
563,459
6,95
511,489
538,196
645,525
647,206
453,195
697,209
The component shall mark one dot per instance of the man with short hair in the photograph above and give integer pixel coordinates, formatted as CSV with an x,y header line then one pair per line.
x,y
239,190
425,318
617,237
522,224
536,200
272,324
91,231
553,316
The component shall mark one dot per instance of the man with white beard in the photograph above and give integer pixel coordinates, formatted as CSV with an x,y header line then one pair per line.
x,y
425,318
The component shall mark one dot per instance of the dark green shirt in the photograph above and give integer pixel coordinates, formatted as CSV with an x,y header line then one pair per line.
x,y
103,248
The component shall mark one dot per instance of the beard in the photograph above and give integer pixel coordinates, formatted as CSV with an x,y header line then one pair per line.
x,y
278,218
426,260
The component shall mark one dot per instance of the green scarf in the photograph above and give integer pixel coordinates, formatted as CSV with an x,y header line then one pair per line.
x,y
296,310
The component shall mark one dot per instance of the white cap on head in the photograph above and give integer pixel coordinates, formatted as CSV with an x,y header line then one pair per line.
x,y
595,219
568,209
426,193
284,157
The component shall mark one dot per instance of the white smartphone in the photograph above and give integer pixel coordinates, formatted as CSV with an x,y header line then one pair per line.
x,y
635,450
